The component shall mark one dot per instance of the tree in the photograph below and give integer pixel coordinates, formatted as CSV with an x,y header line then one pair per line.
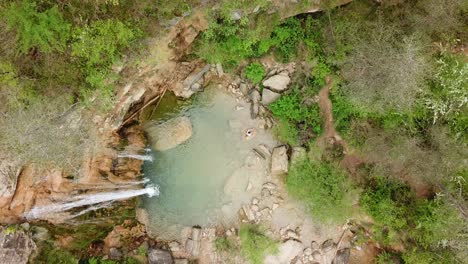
x,y
47,31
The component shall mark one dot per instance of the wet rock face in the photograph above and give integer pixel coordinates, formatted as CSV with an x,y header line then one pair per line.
x,y
15,247
159,256
170,134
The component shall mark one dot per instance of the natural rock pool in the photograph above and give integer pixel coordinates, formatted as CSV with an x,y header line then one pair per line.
x,y
204,180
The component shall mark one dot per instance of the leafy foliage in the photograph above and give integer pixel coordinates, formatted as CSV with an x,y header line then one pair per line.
x,y
99,45
223,244
320,187
291,108
431,224
255,72
47,31
255,245
447,99
287,132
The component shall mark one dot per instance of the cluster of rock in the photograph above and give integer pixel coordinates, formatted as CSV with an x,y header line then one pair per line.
x,y
197,80
293,251
275,83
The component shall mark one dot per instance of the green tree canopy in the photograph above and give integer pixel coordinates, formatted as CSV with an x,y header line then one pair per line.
x,y
47,31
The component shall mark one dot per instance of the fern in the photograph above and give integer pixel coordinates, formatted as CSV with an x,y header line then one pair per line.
x,y
47,31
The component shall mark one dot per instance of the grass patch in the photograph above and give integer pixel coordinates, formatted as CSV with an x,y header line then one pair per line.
x,y
324,189
286,132
223,244
255,72
255,245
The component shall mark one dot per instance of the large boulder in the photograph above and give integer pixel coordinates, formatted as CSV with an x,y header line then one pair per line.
x,y
159,256
15,246
170,134
279,161
269,97
278,83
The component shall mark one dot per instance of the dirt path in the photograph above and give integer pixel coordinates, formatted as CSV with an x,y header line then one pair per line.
x,y
330,136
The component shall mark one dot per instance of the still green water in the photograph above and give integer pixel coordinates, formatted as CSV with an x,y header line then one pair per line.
x,y
191,176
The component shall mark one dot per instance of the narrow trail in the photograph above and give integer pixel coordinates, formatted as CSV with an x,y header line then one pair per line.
x,y
350,162
330,135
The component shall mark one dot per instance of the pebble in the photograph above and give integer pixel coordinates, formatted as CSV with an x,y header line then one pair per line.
x,y
255,201
308,251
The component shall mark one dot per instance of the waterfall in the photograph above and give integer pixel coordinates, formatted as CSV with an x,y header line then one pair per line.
x,y
135,156
89,199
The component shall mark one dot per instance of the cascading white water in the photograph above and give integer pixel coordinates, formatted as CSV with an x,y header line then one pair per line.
x,y
135,156
89,199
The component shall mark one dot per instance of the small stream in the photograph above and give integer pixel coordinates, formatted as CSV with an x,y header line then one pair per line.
x,y
203,181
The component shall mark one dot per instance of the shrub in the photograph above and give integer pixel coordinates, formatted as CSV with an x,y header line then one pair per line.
x,y
99,45
255,72
47,31
52,254
447,99
324,190
290,107
223,244
286,132
386,69
255,245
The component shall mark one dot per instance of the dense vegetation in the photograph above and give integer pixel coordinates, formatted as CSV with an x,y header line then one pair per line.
x,y
399,100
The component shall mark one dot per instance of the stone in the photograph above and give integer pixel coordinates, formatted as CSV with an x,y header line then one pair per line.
x,y
184,89
244,89
275,206
255,98
25,226
115,254
40,234
286,252
142,216
327,245
159,256
249,186
342,256
308,251
219,69
236,15
269,96
174,246
181,261
277,83
269,185
248,213
314,245
255,201
316,255
298,154
265,192
196,87
292,234
279,161
170,134
15,247
255,208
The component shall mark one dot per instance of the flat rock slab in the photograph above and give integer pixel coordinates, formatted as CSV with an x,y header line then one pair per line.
x,y
277,83
171,133
279,161
269,97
